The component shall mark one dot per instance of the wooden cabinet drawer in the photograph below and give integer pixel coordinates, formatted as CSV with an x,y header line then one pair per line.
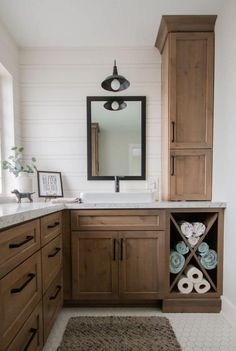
x,y
20,292
51,261
30,336
51,226
52,302
17,244
118,219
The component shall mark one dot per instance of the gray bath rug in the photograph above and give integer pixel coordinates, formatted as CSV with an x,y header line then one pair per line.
x,y
119,334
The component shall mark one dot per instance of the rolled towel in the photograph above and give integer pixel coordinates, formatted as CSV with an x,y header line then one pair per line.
x,y
202,287
185,286
186,228
193,240
176,262
209,260
193,274
182,248
198,228
203,248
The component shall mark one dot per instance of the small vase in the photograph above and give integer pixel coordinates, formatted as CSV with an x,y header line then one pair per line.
x,y
24,183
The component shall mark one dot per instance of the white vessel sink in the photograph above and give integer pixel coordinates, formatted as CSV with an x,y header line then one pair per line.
x,y
127,197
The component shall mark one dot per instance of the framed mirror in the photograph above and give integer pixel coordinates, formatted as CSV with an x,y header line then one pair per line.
x,y
116,139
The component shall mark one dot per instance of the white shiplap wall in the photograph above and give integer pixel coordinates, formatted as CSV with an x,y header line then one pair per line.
x,y
54,85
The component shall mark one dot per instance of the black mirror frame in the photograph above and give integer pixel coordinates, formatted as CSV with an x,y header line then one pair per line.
x,y
142,99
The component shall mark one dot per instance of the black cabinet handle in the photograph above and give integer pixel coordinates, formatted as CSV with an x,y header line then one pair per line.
x,y
121,249
33,332
173,131
114,249
26,240
57,249
172,166
50,226
31,276
57,292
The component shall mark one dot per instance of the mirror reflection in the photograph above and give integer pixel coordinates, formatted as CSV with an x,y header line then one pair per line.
x,y
116,138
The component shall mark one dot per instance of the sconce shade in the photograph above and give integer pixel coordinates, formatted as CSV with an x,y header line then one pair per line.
x,y
115,105
115,82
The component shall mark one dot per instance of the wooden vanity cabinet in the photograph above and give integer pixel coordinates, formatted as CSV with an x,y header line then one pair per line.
x,y
30,282
118,254
186,44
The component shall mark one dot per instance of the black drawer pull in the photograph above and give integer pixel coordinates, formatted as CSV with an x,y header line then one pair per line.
x,y
27,239
57,292
33,332
114,249
57,249
172,166
17,290
173,132
50,226
121,249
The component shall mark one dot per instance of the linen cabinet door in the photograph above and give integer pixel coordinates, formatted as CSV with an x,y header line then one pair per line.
x,y
94,265
141,265
191,69
190,174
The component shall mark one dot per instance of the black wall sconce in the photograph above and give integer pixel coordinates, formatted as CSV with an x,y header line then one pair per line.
x,y
115,105
115,82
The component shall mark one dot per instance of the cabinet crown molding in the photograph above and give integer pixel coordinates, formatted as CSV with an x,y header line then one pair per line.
x,y
183,23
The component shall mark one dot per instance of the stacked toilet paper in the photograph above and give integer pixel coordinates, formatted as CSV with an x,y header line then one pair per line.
x,y
193,278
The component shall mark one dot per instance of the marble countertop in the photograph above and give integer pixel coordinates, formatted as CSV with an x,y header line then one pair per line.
x,y
12,213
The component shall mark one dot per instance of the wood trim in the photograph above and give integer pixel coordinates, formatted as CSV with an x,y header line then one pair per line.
x,y
188,305
66,252
183,23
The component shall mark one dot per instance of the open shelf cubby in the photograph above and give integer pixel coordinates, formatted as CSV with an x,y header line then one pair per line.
x,y
212,236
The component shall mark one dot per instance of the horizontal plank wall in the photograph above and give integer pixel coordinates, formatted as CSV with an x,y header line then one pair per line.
x,y
54,85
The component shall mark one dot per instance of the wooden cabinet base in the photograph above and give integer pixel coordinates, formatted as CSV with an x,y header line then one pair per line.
x,y
191,305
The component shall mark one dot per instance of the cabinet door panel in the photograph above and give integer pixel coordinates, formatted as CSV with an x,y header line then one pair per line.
x,y
191,89
190,174
141,264
94,265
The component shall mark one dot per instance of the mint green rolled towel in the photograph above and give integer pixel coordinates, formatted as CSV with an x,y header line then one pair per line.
x,y
203,248
209,260
176,262
182,248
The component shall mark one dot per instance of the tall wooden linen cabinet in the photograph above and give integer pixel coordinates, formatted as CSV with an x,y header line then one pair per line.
x,y
186,44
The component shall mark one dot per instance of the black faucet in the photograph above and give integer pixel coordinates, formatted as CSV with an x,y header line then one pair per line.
x,y
117,184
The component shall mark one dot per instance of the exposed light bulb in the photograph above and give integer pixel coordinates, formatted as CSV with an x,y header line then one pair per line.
x,y
115,84
115,105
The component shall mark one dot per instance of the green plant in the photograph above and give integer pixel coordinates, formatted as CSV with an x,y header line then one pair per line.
x,y
16,163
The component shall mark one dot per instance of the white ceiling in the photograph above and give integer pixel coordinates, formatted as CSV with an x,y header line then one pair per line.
x,y
85,23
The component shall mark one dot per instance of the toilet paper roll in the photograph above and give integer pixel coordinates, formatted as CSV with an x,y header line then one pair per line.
x,y
185,286
193,274
202,287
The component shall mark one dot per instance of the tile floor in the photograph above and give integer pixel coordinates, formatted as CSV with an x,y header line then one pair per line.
x,y
195,332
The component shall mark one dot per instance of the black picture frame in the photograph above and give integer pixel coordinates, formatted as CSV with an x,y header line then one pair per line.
x,y
142,99
40,190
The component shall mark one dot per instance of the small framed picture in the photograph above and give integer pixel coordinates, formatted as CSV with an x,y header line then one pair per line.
x,y
49,184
